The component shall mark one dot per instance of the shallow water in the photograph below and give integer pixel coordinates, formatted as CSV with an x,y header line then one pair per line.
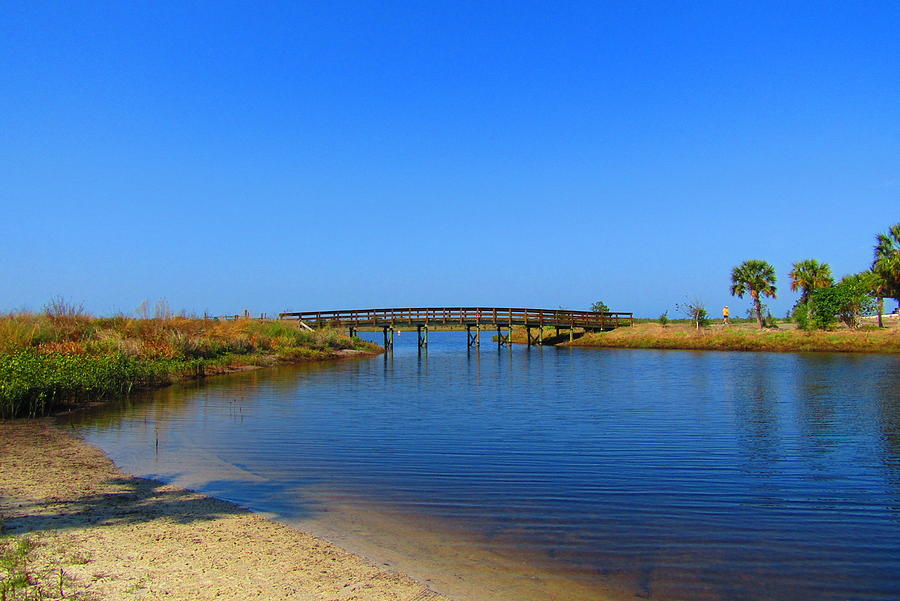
x,y
576,473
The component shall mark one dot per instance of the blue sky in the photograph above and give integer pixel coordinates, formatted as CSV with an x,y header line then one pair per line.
x,y
298,156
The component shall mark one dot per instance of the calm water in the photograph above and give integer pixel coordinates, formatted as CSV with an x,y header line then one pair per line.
x,y
654,474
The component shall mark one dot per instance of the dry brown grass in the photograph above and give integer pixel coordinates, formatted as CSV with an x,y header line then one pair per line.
x,y
49,361
172,338
746,338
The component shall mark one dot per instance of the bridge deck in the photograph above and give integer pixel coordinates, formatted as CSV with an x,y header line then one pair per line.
x,y
463,317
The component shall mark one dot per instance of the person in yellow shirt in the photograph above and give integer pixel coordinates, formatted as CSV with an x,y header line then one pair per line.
x,y
725,315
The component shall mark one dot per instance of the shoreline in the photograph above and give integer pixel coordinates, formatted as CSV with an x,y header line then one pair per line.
x,y
221,370
53,361
108,535
459,565
735,337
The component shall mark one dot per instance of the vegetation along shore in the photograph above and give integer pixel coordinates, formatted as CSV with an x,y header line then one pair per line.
x,y
60,358
740,337
735,337
843,316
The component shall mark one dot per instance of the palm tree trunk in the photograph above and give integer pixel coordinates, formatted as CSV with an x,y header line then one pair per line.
x,y
758,307
880,311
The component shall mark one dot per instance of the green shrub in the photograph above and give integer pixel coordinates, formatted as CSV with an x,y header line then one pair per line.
x,y
33,384
801,316
845,301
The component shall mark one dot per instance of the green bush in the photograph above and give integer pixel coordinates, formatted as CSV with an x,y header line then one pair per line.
x,y
801,316
845,301
33,384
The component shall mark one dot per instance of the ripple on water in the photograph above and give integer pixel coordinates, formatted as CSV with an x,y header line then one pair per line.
x,y
566,473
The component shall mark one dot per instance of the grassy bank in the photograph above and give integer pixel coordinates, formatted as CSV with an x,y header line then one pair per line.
x,y
48,362
740,337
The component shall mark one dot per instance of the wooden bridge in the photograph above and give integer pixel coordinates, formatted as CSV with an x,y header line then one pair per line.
x,y
472,319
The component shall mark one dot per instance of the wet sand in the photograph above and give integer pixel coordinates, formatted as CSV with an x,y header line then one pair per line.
x,y
462,564
110,535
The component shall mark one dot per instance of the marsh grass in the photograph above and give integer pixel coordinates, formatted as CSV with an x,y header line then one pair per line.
x,y
732,338
51,360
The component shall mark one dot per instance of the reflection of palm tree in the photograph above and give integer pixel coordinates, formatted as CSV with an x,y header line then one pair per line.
x,y
889,409
808,275
887,263
754,277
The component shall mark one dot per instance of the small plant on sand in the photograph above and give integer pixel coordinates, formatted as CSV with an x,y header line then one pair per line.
x,y
25,577
664,319
14,577
696,312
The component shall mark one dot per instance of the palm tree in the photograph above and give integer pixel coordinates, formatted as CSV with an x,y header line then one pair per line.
x,y
878,287
808,275
887,266
754,277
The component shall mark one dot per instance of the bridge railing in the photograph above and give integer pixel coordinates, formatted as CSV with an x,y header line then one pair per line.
x,y
462,316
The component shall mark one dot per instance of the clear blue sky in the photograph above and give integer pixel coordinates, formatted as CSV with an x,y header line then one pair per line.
x,y
298,156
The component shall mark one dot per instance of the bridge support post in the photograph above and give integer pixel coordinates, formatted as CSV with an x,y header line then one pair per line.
x,y
353,332
422,333
504,339
537,339
388,337
473,339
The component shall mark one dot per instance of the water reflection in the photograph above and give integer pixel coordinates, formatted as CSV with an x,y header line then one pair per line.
x,y
658,474
887,383
757,416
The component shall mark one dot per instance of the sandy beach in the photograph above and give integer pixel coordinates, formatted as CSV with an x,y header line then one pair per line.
x,y
102,534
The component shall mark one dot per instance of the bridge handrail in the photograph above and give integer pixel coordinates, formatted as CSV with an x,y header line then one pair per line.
x,y
445,315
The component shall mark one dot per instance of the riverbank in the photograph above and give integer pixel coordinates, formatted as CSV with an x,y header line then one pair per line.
x,y
97,533
745,337
55,362
735,337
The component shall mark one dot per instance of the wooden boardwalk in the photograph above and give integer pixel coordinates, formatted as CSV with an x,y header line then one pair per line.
x,y
472,319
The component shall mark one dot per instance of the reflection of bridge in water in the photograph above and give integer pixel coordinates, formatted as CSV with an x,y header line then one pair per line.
x,y
472,319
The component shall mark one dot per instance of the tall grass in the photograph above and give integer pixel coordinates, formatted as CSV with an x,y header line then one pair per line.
x,y
48,360
731,338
